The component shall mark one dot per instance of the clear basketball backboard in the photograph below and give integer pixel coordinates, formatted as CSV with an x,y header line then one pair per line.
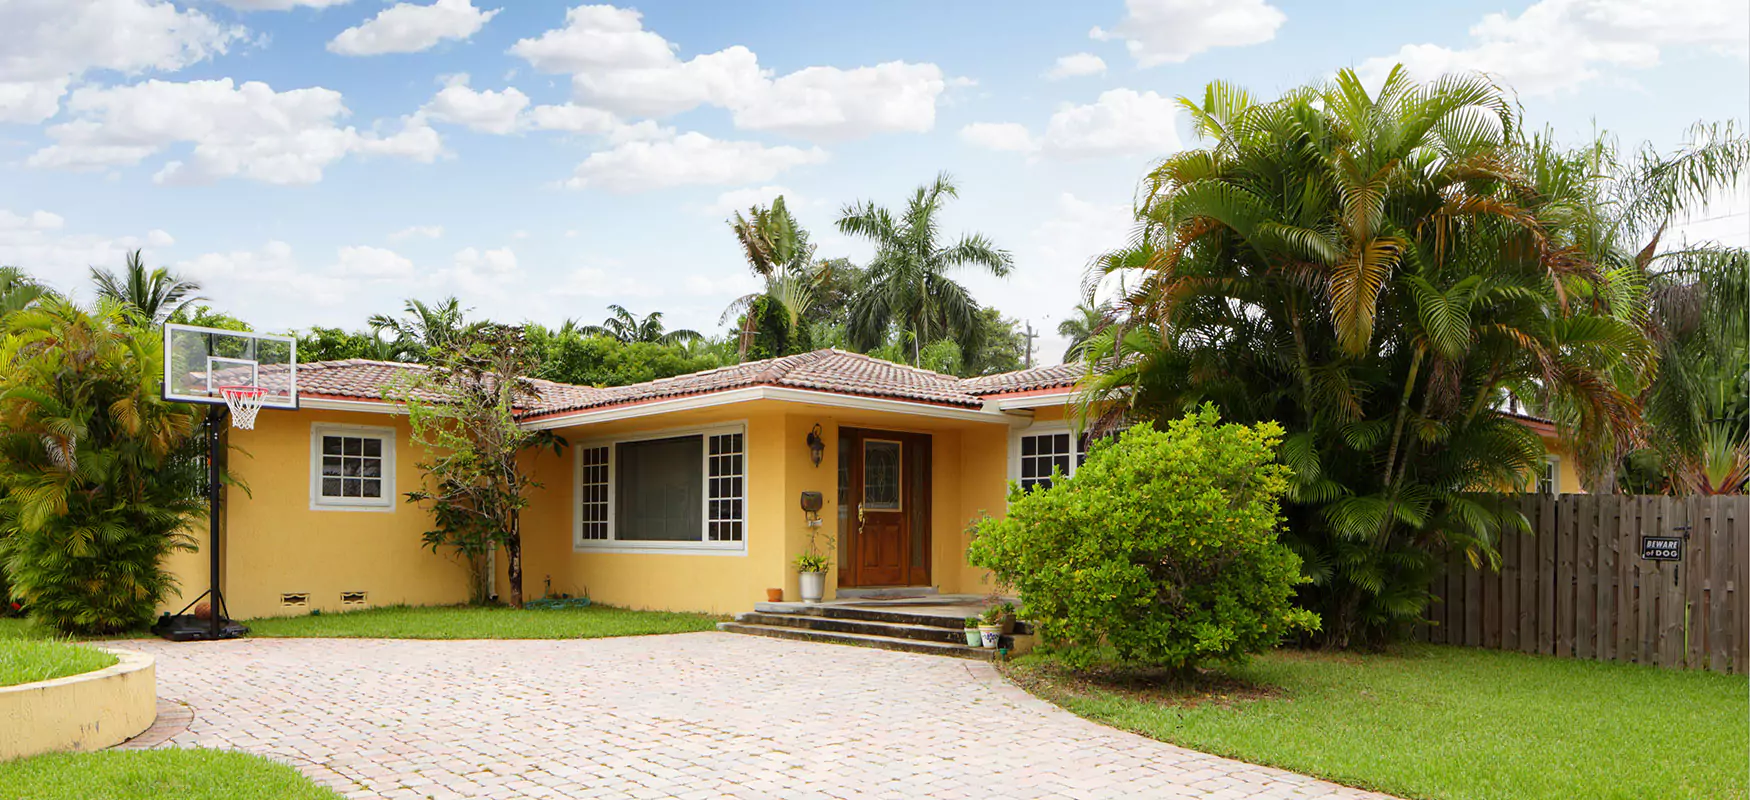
x,y
200,363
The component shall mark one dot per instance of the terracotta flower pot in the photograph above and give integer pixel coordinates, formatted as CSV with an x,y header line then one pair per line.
x,y
774,595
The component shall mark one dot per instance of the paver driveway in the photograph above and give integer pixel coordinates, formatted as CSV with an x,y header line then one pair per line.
x,y
700,715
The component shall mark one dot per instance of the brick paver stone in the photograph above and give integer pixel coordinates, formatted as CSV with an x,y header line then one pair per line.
x,y
702,715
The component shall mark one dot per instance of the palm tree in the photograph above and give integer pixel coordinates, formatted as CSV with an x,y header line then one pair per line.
x,y
423,329
1374,272
778,252
1089,317
154,295
626,327
907,285
18,290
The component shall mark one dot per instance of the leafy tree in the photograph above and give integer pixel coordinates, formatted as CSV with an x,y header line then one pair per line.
x,y
1002,345
907,286
18,290
1378,273
1697,415
423,329
206,317
154,294
101,475
1088,318
774,320
334,344
602,361
1162,546
626,327
942,355
476,481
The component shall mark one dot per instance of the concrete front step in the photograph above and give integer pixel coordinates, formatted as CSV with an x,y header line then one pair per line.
x,y
920,633
888,614
860,639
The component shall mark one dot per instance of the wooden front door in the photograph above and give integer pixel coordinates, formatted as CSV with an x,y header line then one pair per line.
x,y
885,496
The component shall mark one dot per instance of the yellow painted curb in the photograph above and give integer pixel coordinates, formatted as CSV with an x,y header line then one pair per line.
x,y
88,711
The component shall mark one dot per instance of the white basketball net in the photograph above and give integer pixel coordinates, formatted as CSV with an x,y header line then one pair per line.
x,y
244,402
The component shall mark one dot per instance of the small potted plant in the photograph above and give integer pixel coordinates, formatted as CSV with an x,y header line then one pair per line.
x,y
1007,618
990,627
811,576
972,636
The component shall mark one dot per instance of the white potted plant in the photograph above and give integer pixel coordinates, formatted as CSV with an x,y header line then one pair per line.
x,y
990,627
811,570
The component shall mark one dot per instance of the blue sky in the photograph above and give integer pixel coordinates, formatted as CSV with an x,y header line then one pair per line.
x,y
315,161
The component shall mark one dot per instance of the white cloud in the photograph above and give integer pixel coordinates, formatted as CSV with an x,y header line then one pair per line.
x,y
1012,137
735,200
39,242
841,103
279,5
486,111
1077,65
269,272
572,118
247,131
409,28
1122,122
1171,31
373,263
492,274
617,65
1559,44
48,44
427,231
690,158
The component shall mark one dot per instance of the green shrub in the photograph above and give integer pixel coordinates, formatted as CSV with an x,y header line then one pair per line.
x,y
99,473
1162,546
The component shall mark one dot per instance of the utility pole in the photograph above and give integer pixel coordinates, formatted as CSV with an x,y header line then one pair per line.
x,y
1031,335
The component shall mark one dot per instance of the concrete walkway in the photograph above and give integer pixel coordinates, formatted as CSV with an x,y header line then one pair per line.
x,y
702,715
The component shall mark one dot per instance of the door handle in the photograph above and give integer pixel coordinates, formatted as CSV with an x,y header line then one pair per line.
x,y
859,515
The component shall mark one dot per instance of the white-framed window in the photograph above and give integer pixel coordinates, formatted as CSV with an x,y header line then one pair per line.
x,y
681,490
352,467
1036,451
1549,476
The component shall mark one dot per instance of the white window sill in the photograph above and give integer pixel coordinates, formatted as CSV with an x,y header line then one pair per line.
x,y
377,507
665,548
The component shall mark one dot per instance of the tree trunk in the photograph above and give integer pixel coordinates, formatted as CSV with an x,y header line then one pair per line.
x,y
513,552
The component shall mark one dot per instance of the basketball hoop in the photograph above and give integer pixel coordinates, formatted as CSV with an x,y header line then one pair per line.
x,y
244,402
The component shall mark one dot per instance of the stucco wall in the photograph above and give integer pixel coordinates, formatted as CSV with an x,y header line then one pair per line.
x,y
89,711
277,542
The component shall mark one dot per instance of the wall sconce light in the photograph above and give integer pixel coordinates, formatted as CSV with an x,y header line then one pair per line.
x,y
816,445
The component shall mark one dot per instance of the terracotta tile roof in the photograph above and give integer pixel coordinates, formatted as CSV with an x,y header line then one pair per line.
x,y
821,370
834,371
1057,376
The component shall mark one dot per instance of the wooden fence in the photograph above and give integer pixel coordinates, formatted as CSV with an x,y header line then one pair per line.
x,y
1579,587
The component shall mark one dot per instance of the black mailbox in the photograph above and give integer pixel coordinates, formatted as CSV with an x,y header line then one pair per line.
x,y
811,502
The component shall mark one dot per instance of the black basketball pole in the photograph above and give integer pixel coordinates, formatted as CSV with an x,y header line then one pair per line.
x,y
213,603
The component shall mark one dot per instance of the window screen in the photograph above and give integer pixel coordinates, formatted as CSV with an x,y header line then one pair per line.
x,y
727,477
658,491
352,467
592,467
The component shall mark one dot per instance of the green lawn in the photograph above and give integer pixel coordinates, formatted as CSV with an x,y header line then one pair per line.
x,y
31,660
155,775
1445,722
466,622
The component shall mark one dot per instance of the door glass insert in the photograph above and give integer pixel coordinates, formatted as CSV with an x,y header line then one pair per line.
x,y
881,475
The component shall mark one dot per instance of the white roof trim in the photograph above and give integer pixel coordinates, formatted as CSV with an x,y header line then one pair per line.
x,y
370,406
1035,400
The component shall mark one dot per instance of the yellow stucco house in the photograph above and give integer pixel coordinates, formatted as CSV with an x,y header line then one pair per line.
x,y
677,494
680,494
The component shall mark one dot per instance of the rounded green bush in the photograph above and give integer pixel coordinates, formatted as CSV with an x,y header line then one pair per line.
x,y
1162,546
